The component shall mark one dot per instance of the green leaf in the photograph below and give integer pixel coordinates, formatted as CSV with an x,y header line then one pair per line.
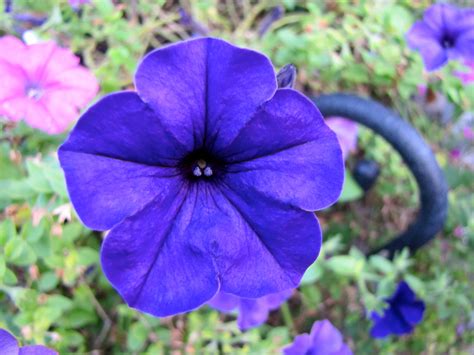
x,y
137,336
78,318
3,267
7,231
13,248
72,231
87,256
356,73
416,284
381,264
397,19
19,252
345,265
9,278
351,190
36,178
16,190
48,281
312,274
60,302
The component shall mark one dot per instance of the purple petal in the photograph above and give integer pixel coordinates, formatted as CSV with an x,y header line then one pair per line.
x,y
390,323
440,17
270,247
403,294
326,339
239,81
465,45
301,345
254,311
465,20
288,153
434,56
413,313
274,300
8,343
36,350
107,160
420,34
172,80
158,259
225,302
204,85
162,259
422,37
380,328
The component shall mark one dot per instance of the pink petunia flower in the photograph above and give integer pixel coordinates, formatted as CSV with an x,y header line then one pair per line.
x,y
458,231
468,133
346,132
42,84
467,77
78,3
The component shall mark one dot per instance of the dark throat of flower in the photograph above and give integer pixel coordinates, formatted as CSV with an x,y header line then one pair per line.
x,y
447,41
200,165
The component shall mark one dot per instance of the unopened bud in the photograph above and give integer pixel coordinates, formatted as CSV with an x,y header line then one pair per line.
x,y
286,77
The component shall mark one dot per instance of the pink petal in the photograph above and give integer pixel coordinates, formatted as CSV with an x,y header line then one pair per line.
x,y
50,115
59,60
12,84
12,49
14,108
77,86
346,132
46,60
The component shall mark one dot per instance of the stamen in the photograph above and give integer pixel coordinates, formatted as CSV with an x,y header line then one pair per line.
x,y
34,92
208,171
202,163
197,171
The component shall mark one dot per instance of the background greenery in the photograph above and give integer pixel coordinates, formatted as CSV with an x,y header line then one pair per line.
x,y
52,289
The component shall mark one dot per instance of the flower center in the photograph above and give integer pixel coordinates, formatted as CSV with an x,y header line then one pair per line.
x,y
33,91
200,165
447,42
201,168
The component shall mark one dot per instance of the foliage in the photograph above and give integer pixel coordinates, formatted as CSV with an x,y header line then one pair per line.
x,y
52,289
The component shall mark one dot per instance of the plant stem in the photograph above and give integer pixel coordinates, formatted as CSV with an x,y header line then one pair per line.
x,y
287,317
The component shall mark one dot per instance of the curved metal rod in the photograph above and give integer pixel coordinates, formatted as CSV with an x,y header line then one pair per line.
x,y
414,152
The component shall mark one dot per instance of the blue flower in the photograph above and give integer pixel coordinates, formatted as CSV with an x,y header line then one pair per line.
x,y
9,346
252,311
403,313
207,176
446,32
324,339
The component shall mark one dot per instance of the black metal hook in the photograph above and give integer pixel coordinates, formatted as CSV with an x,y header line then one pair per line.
x,y
414,152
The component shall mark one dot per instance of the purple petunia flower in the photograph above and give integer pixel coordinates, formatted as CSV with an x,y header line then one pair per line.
x,y
252,311
446,32
403,313
324,339
273,15
9,346
206,175
187,20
